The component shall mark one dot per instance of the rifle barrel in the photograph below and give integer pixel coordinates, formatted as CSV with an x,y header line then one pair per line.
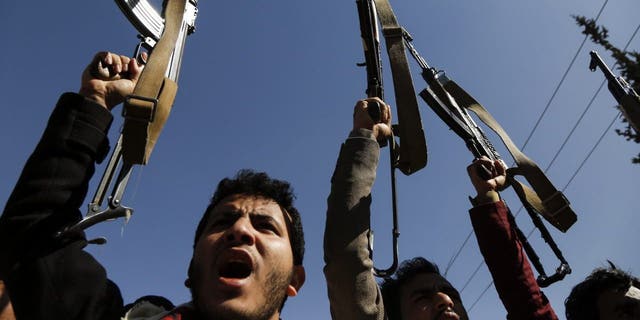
x,y
617,89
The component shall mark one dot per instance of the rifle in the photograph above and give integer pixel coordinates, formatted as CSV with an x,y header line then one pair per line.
x,y
163,37
628,98
442,95
413,154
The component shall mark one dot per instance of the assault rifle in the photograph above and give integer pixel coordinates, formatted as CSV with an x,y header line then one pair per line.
x,y
412,156
163,37
371,46
443,96
628,98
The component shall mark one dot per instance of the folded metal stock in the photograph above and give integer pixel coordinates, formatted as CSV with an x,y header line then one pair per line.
x,y
143,17
150,24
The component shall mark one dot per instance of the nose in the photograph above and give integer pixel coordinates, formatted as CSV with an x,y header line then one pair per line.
x,y
442,301
241,232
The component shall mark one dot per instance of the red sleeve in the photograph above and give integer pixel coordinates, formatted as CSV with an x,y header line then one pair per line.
x,y
509,267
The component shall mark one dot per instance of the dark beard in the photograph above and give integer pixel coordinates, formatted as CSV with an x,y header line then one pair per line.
x,y
274,292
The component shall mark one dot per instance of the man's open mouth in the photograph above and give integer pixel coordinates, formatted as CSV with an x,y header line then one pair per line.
x,y
235,264
236,269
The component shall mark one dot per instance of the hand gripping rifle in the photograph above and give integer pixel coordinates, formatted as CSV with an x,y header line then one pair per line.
x,y
450,102
147,108
412,156
628,98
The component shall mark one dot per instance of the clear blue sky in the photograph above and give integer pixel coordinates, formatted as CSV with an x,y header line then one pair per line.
x,y
271,86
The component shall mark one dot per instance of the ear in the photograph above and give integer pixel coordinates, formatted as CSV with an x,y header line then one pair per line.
x,y
187,283
297,280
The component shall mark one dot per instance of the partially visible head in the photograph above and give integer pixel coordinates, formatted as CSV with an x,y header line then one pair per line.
x,y
418,291
607,293
248,249
144,305
6,309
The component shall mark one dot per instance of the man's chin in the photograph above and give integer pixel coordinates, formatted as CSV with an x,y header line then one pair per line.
x,y
235,308
228,309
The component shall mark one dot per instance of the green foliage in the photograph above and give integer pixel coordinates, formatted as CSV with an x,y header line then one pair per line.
x,y
628,64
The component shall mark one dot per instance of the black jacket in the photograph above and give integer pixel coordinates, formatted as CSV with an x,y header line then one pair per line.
x,y
50,278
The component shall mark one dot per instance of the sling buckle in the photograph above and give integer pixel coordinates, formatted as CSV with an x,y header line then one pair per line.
x,y
556,201
141,105
395,32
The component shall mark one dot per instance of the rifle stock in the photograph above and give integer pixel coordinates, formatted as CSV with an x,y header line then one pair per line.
x,y
143,17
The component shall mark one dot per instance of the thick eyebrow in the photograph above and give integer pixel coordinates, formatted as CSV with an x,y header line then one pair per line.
x,y
421,292
227,213
257,215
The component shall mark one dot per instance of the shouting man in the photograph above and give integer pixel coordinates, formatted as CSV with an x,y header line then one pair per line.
x,y
248,247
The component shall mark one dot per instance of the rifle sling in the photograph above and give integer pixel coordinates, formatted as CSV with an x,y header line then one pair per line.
x,y
146,110
413,148
544,197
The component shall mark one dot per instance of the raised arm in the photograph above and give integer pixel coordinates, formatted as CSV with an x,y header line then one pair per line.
x,y
501,248
353,291
49,277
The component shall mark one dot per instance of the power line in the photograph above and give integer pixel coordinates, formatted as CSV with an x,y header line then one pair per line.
x,y
589,105
535,127
590,152
457,254
561,148
575,126
481,294
453,259
472,276
570,180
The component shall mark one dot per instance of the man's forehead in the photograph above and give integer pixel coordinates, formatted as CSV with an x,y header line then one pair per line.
x,y
430,278
426,282
248,204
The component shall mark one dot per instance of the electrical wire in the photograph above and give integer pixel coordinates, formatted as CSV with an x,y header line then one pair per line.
x,y
570,180
535,127
575,173
589,106
457,254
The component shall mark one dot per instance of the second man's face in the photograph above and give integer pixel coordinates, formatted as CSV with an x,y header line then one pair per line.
x,y
424,297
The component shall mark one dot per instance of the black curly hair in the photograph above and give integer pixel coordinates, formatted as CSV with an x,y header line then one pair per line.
x,y
582,302
253,183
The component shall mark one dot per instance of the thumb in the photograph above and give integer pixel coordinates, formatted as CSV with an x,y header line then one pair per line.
x,y
382,131
135,67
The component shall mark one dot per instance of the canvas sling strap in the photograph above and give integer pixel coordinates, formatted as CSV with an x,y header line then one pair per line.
x,y
413,148
146,110
544,197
